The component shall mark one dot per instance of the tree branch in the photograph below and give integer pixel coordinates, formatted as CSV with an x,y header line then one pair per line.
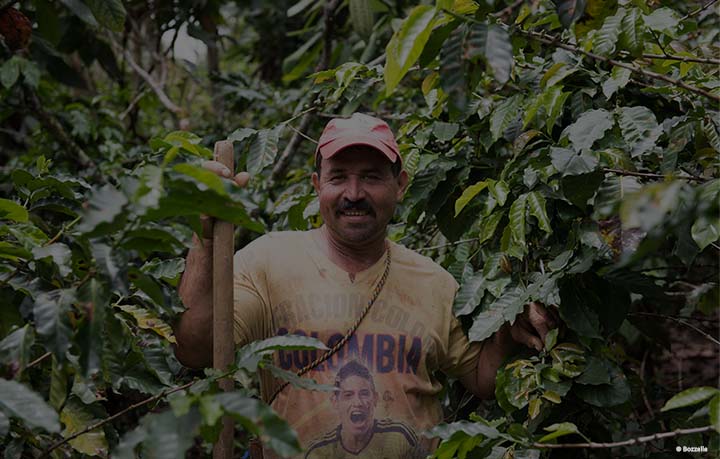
x,y
107,420
699,10
651,175
629,442
154,85
675,57
289,151
507,11
54,126
551,40
680,321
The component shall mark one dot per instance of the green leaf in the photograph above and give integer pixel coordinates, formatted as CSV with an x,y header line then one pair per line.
x,y
76,417
502,310
52,322
60,253
299,7
612,192
556,74
15,348
4,425
705,231
469,295
591,126
662,20
263,149
568,162
578,189
488,225
206,179
619,77
714,408
569,11
10,71
109,13
559,430
260,418
406,44
639,128
491,42
597,371
690,397
505,112
472,429
249,356
576,313
453,70
467,195
631,32
499,190
10,210
58,384
168,270
19,401
608,35
238,135
361,17
81,10
103,207
445,131
302,382
551,339
536,206
517,219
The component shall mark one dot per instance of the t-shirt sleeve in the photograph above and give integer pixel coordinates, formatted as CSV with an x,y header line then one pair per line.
x,y
252,317
462,355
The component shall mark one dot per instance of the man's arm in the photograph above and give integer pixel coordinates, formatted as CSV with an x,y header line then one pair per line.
x,y
194,330
529,329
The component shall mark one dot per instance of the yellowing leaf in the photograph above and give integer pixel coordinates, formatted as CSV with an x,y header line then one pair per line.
x,y
76,418
148,321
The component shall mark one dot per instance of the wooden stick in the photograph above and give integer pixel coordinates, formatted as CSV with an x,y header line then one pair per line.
x,y
223,340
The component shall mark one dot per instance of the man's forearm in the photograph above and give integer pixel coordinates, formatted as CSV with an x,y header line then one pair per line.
x,y
494,352
194,329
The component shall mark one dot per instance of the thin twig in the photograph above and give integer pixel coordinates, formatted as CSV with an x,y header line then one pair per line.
x,y
650,175
99,424
289,151
699,10
629,442
680,321
154,85
299,132
133,102
38,360
449,244
675,57
62,231
507,11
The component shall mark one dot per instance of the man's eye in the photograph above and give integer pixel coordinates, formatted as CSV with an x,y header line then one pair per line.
x,y
371,177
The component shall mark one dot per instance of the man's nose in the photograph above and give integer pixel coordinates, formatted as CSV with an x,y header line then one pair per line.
x,y
354,190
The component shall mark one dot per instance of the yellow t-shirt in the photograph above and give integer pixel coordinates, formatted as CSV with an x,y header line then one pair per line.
x,y
284,283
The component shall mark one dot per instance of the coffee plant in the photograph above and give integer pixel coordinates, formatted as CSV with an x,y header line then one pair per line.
x,y
560,151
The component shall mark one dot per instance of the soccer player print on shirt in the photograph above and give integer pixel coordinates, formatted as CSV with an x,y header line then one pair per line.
x,y
358,433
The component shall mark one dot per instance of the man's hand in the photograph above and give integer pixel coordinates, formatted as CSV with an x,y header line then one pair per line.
x,y
241,180
533,324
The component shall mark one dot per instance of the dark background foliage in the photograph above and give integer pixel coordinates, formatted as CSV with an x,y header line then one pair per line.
x,y
563,152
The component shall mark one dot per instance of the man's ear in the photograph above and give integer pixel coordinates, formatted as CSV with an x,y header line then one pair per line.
x,y
402,180
316,182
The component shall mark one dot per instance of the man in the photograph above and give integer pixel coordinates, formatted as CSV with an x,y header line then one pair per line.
x,y
318,282
358,433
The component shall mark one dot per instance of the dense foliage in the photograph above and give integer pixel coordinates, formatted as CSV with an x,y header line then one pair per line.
x,y
563,152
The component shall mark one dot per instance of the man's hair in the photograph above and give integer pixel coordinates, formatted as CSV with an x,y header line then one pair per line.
x,y
353,368
395,167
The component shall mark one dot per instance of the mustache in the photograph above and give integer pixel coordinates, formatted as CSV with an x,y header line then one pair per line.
x,y
362,206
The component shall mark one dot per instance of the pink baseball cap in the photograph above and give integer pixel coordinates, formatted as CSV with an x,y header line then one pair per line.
x,y
359,129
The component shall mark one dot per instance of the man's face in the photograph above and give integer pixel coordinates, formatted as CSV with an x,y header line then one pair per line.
x,y
355,403
358,194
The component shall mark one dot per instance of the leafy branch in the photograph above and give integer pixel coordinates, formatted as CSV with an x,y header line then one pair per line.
x,y
629,442
650,175
555,41
125,410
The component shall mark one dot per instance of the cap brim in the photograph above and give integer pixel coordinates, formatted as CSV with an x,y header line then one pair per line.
x,y
333,147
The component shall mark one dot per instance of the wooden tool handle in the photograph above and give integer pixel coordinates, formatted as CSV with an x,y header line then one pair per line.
x,y
223,339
